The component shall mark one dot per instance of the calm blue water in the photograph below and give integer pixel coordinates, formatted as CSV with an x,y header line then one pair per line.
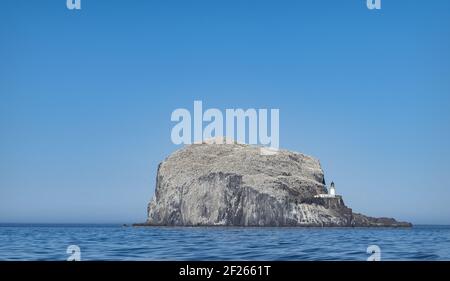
x,y
112,242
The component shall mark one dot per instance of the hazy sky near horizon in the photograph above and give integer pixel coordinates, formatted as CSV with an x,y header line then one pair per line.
x,y
86,98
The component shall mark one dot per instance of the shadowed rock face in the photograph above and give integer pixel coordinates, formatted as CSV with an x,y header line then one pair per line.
x,y
234,185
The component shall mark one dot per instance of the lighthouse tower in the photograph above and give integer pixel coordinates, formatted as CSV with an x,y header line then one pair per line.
x,y
332,191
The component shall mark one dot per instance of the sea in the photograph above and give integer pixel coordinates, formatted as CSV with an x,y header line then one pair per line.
x,y
39,242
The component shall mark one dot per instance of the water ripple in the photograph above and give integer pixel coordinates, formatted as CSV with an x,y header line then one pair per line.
x,y
100,242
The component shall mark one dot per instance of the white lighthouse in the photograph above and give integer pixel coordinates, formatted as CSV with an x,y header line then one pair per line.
x,y
332,191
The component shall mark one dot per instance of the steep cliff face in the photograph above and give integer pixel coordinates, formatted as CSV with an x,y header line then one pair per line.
x,y
235,185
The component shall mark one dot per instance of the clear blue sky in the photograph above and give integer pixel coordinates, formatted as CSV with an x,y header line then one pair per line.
x,y
86,98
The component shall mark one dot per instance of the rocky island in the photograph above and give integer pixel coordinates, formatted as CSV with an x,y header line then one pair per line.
x,y
235,185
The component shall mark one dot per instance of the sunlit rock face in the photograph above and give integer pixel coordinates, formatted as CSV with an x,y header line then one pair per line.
x,y
237,185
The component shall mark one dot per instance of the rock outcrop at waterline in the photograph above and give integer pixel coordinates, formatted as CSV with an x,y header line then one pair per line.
x,y
235,185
